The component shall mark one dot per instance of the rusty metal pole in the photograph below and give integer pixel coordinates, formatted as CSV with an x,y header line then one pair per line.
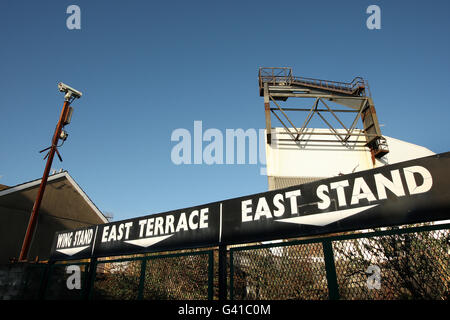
x,y
34,214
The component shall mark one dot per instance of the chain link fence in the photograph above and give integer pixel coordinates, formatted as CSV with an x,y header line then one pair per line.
x,y
394,266
394,263
410,263
294,271
180,276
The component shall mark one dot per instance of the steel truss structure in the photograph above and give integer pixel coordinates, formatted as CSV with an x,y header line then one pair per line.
x,y
278,84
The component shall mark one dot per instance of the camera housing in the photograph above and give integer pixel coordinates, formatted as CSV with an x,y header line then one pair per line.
x,y
69,91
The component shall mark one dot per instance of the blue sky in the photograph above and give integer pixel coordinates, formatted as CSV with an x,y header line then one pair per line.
x,y
147,68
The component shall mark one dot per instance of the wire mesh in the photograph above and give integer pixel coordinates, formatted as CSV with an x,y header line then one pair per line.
x,y
183,277
280,272
117,280
399,266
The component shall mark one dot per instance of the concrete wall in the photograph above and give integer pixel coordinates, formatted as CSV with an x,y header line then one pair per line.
x,y
20,281
25,281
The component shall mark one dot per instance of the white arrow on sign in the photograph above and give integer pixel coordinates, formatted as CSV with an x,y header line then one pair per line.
x,y
323,219
147,242
72,251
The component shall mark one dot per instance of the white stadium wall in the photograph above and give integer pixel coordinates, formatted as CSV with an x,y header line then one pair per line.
x,y
292,163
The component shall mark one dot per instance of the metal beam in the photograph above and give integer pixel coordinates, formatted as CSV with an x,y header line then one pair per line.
x,y
325,140
267,114
279,108
308,118
332,134
321,110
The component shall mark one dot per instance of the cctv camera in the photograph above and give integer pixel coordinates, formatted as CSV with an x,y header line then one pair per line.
x,y
63,136
70,92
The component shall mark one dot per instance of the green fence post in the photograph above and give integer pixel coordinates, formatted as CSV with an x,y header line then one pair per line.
x,y
231,275
211,275
330,268
91,278
142,279
222,272
85,276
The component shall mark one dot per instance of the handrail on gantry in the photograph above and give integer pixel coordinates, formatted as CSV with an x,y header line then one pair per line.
x,y
278,75
283,76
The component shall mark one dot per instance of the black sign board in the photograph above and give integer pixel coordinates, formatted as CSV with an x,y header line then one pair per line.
x,y
403,193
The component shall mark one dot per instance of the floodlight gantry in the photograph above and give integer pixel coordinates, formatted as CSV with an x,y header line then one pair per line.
x,y
278,84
